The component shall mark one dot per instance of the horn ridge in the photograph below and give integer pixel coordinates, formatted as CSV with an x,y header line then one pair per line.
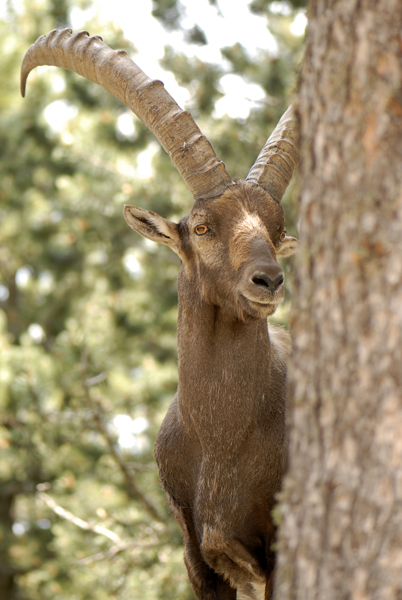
x,y
277,160
174,128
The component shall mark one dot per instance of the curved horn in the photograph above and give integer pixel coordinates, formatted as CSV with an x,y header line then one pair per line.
x,y
191,153
276,162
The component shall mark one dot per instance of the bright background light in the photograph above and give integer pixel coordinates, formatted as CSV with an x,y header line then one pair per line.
x,y
226,24
130,433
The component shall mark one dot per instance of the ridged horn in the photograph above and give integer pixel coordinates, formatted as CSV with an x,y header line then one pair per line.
x,y
190,151
276,162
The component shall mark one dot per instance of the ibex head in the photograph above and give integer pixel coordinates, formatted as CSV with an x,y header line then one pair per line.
x,y
228,247
232,236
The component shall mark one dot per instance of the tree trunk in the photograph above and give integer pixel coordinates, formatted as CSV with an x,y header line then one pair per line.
x,y
7,572
341,532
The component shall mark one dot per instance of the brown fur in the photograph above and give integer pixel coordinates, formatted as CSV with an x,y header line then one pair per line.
x,y
221,447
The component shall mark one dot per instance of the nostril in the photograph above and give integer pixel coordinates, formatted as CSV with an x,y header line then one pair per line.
x,y
262,279
279,281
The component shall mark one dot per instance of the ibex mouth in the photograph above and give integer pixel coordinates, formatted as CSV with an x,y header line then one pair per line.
x,y
262,309
262,284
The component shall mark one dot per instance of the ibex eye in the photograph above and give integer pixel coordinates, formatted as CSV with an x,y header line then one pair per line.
x,y
282,236
201,229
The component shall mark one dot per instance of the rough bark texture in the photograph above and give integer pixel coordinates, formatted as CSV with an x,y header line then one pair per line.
x,y
341,534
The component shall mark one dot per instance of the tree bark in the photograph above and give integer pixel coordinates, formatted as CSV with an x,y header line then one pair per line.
x,y
341,531
7,572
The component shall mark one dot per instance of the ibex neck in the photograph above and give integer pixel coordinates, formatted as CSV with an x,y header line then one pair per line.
x,y
223,370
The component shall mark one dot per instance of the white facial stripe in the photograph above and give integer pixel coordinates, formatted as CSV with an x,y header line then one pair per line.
x,y
249,223
248,226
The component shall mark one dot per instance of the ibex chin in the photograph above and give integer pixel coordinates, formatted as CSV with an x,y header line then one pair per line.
x,y
220,449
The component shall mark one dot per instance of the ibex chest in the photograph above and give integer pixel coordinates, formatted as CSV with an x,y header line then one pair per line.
x,y
229,385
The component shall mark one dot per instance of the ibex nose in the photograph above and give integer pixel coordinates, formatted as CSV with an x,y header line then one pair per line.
x,y
264,280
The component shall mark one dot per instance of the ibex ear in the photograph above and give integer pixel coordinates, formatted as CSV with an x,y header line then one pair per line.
x,y
153,226
288,247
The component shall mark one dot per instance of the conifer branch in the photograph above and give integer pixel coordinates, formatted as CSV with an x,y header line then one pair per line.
x,y
132,489
69,516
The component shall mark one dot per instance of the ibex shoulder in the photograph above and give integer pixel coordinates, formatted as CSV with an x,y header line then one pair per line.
x,y
281,343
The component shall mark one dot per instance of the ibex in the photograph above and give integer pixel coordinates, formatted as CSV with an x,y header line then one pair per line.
x,y
220,449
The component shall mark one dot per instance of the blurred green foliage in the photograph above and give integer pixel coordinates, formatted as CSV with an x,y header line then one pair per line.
x,y
88,309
